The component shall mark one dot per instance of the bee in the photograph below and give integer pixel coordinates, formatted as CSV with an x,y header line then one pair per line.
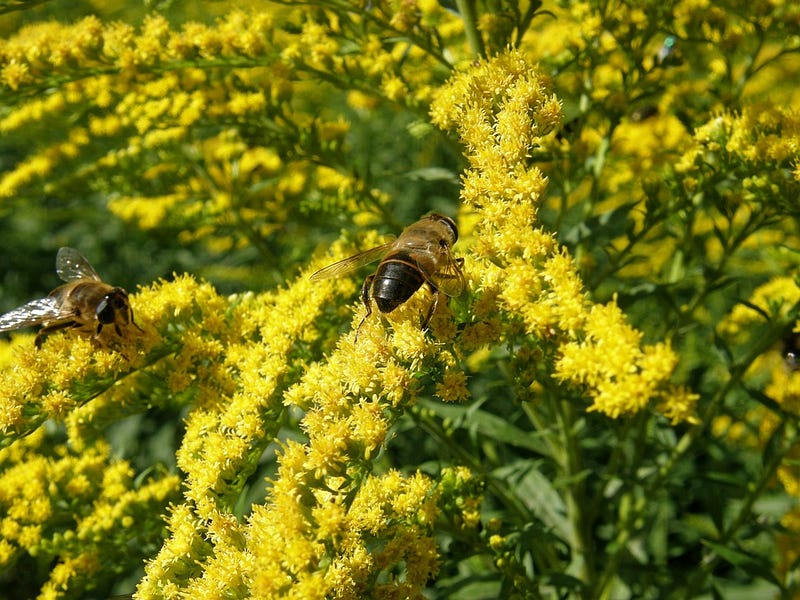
x,y
421,254
790,344
84,303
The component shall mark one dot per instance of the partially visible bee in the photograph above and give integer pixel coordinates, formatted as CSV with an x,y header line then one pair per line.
x,y
421,254
84,303
791,350
643,113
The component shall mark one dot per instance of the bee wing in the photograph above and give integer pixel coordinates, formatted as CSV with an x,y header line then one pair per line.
x,y
30,314
72,265
449,278
352,263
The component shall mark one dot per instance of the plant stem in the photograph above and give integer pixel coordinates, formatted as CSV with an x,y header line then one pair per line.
x,y
466,8
582,563
725,537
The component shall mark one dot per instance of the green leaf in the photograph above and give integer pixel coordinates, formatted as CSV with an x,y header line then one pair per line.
x,y
470,587
489,425
537,493
755,566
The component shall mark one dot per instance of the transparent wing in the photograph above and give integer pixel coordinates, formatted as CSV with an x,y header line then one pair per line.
x,y
72,265
30,314
449,278
352,263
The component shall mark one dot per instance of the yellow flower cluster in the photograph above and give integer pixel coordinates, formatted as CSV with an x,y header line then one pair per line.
x,y
148,110
233,366
332,528
634,95
230,359
171,113
401,69
316,534
78,509
49,48
760,143
773,300
44,384
502,111
68,371
377,543
745,163
203,130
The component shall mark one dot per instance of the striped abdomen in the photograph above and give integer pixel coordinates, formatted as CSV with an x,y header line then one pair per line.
x,y
396,280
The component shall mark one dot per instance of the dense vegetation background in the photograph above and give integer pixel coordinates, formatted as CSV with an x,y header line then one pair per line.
x,y
609,411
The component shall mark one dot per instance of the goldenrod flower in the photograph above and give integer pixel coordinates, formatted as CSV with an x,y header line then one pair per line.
x,y
502,109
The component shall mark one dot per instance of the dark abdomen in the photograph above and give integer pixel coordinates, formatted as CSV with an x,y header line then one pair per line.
x,y
396,280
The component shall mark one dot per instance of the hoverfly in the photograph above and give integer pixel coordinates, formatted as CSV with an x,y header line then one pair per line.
x,y
790,344
421,254
84,303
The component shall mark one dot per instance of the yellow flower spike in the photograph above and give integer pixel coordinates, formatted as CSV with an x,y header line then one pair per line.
x,y
74,507
220,437
396,383
346,400
409,340
502,110
679,404
369,426
176,556
775,297
14,75
453,387
329,439
64,374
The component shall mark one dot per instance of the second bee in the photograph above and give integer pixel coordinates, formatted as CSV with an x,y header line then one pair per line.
x,y
421,254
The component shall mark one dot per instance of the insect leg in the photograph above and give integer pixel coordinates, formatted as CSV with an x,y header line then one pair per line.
x,y
365,291
48,329
130,314
432,308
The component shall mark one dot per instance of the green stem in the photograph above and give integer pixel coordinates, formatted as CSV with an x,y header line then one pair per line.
x,y
466,8
627,526
712,559
581,542
544,556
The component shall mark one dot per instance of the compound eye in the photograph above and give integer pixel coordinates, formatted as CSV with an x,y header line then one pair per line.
x,y
451,225
105,311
